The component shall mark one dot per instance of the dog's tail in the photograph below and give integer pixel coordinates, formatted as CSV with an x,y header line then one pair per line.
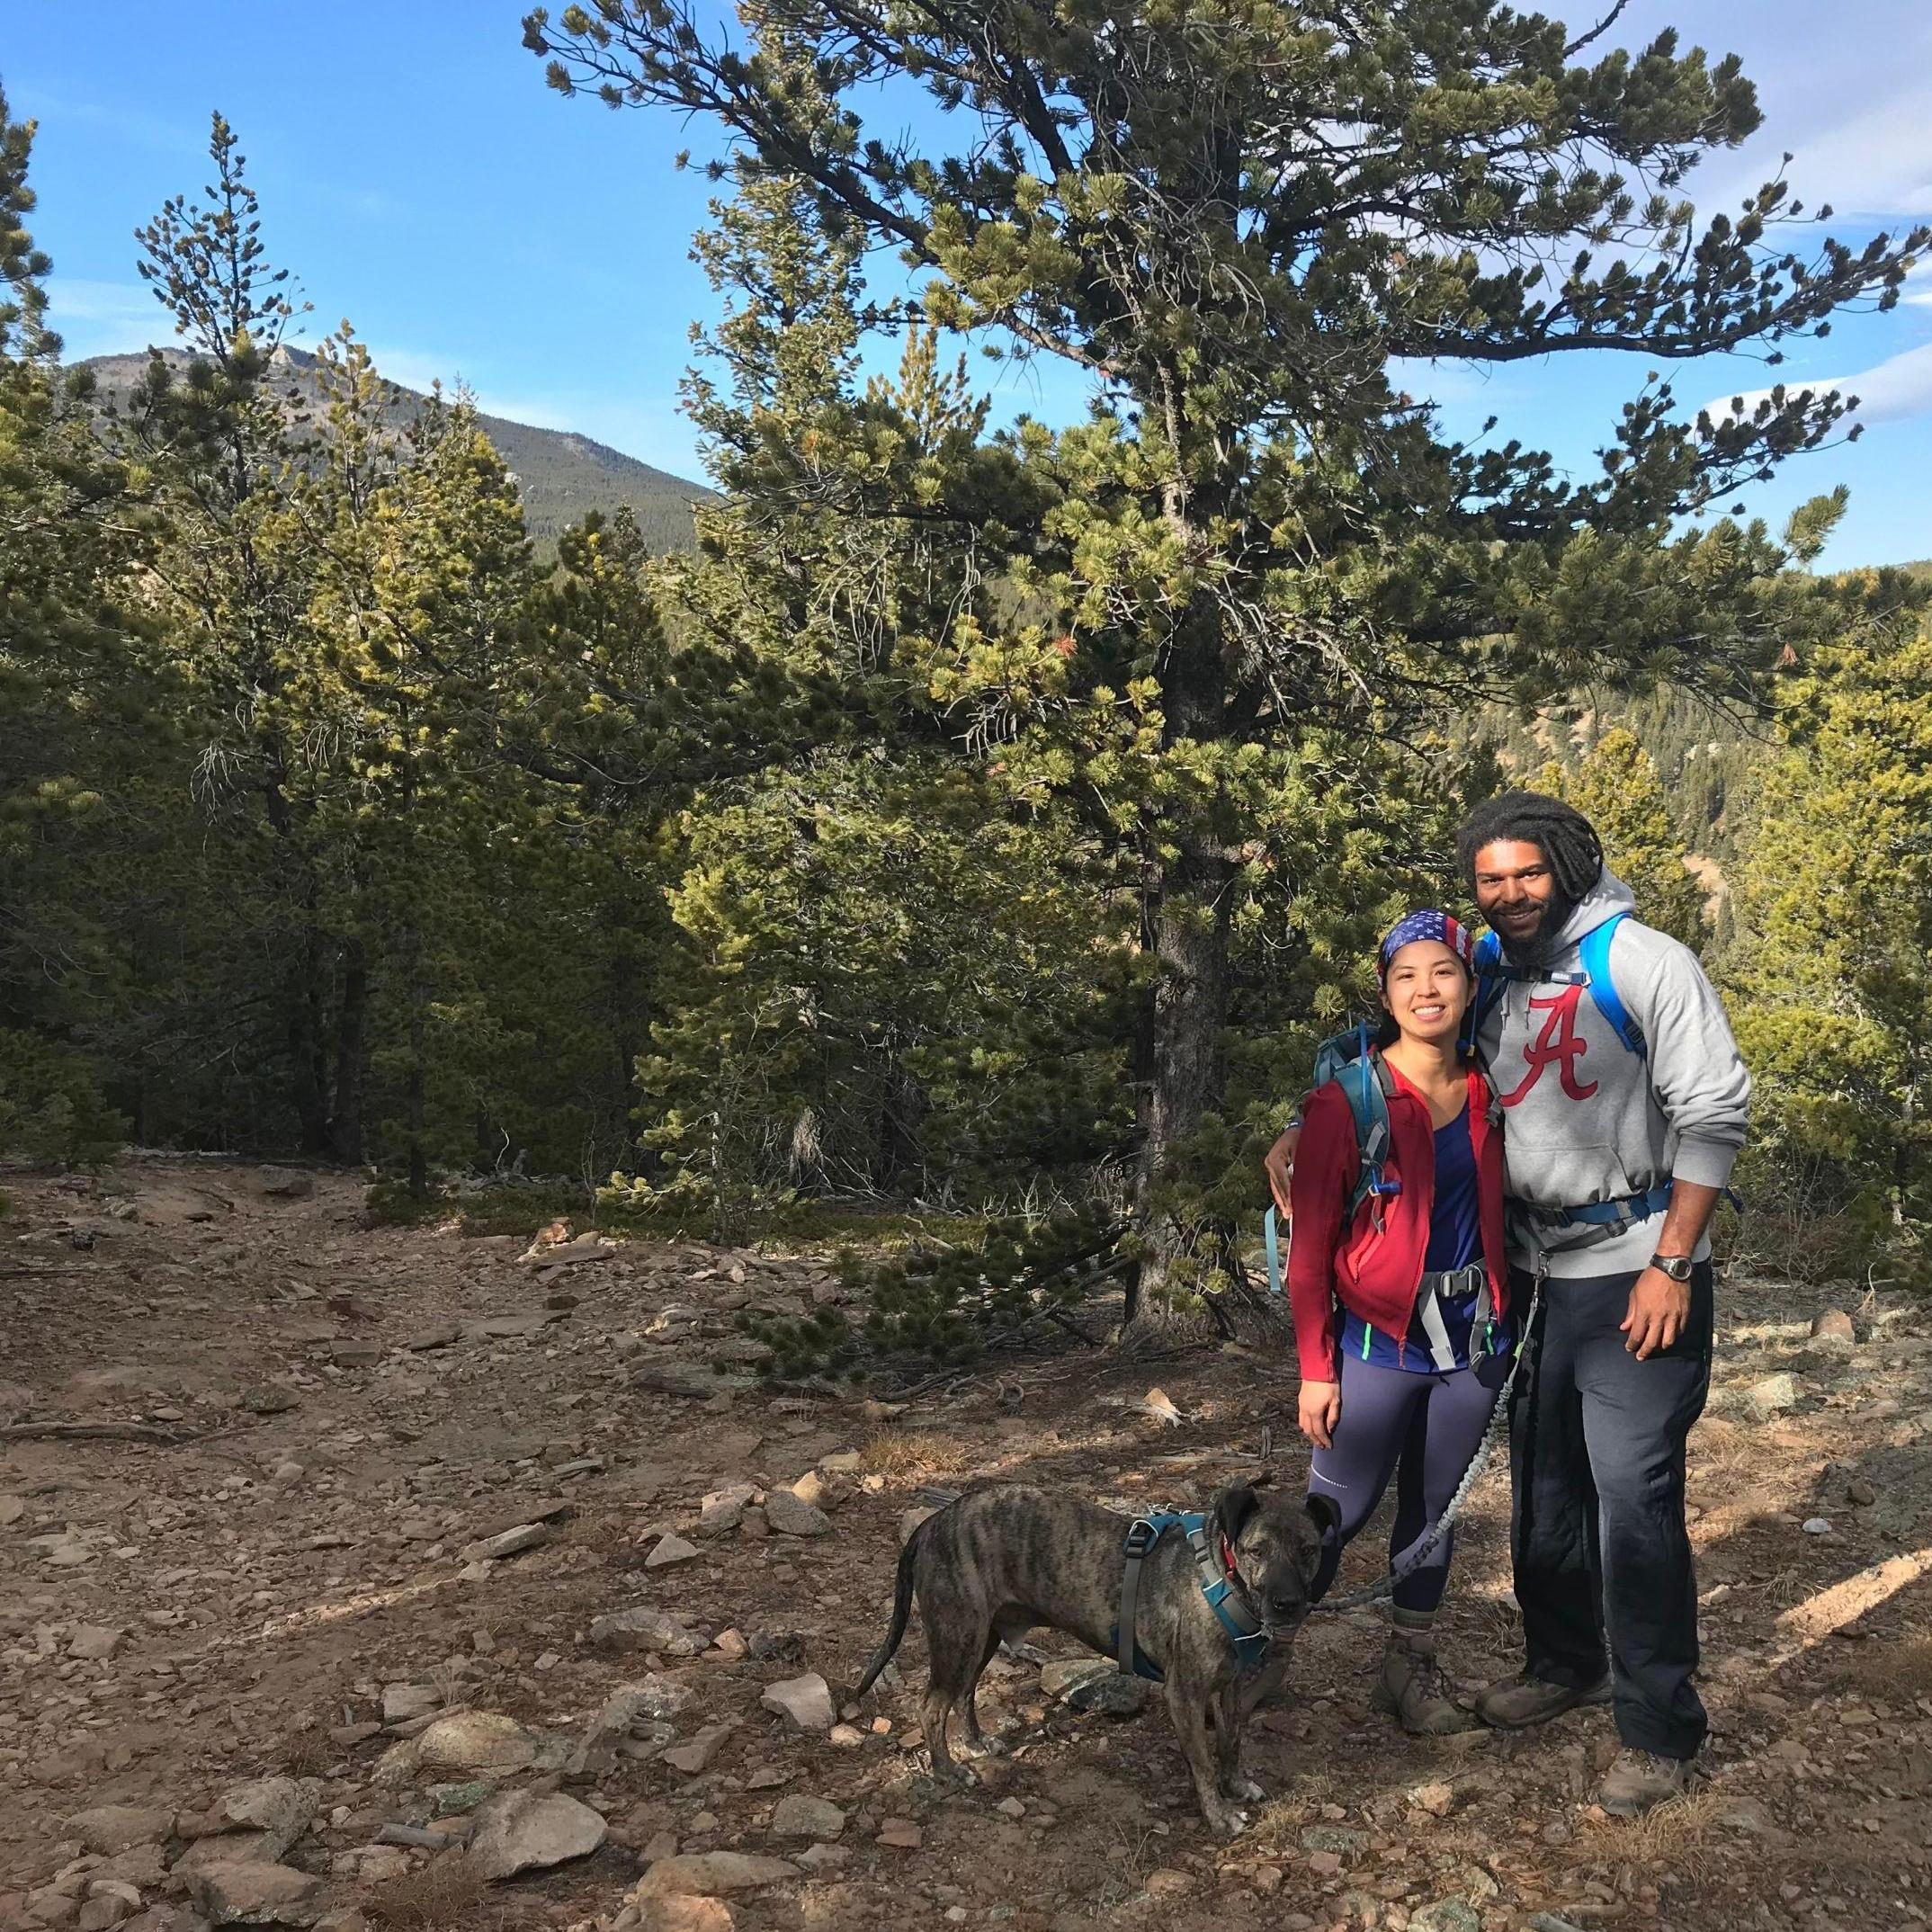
x,y
901,1610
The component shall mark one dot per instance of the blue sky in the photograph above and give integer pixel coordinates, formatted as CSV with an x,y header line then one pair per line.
x,y
420,179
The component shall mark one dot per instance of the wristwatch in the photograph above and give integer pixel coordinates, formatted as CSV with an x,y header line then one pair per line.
x,y
1676,1266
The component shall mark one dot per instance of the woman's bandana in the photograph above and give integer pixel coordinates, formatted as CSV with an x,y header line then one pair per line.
x,y
1426,923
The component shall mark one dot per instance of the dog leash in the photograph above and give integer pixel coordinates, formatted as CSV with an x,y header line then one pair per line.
x,y
1498,1421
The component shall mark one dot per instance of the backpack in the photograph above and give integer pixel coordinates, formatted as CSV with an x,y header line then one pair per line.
x,y
1351,1059
1593,959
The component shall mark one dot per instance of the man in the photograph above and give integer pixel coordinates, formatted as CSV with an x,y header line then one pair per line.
x,y
1616,1155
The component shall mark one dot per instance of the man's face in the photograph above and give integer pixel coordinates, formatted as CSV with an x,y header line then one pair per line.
x,y
1516,890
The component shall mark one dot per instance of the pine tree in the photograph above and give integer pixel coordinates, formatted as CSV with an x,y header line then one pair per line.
x,y
74,685
1258,531
1833,958
1617,787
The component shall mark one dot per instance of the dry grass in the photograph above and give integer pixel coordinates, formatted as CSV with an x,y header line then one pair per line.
x,y
1674,1837
445,1893
905,1456
1895,1672
309,1752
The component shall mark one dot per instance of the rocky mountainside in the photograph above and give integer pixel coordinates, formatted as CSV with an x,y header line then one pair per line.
x,y
561,474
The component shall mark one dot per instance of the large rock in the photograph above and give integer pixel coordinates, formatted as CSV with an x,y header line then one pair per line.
x,y
1772,1395
1447,1915
724,1509
654,1699
699,1384
254,1823
95,1642
806,1700
256,1895
402,1702
111,1901
286,1184
669,1550
789,1515
1834,1328
800,1817
707,1874
110,1828
650,1696
676,1912
644,1629
1095,1684
695,1756
529,1830
464,1740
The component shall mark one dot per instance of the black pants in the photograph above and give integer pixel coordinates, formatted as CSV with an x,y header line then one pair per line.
x,y
1596,1528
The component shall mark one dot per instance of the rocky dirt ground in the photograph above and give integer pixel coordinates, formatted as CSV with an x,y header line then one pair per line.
x,y
407,1609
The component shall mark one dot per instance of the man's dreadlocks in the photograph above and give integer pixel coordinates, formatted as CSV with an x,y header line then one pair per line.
x,y
1566,839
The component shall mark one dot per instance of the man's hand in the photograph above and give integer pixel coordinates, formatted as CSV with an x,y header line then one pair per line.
x,y
1660,1308
1279,1161
1322,1410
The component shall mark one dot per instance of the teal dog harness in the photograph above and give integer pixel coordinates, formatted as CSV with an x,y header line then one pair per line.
x,y
1221,1585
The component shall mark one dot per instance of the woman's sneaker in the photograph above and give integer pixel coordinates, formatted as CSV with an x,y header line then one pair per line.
x,y
1517,1702
1412,1691
1641,1781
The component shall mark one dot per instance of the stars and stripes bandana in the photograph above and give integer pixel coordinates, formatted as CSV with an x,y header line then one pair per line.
x,y
1426,923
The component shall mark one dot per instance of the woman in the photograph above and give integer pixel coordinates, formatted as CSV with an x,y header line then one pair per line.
x,y
1401,1310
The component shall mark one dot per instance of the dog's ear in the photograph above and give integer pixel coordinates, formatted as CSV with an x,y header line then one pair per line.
x,y
1233,1507
1325,1512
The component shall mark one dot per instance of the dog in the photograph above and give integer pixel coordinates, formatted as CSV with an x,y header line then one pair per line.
x,y
1007,1558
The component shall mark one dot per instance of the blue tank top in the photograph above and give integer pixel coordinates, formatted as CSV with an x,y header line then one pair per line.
x,y
1439,1331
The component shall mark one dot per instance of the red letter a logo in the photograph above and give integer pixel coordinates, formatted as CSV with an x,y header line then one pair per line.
x,y
1556,1045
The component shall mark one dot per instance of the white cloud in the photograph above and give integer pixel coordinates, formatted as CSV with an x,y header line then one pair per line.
x,y
1847,88
1894,391
105,317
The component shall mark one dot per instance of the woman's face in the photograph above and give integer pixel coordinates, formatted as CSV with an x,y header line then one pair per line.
x,y
1426,990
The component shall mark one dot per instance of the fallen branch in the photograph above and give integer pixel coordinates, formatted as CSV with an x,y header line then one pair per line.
x,y
1061,1319
119,1432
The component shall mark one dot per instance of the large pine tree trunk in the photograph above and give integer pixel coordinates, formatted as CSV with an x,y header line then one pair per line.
x,y
309,1076
1186,924
1189,1003
345,1133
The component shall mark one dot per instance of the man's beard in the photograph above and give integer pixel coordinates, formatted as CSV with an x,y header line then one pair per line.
x,y
1535,952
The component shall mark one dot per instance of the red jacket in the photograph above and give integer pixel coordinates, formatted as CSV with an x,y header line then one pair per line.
x,y
1374,1272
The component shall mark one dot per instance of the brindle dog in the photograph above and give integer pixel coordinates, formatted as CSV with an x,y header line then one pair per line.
x,y
1008,1558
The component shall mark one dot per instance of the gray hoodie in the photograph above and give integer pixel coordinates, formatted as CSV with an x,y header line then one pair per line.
x,y
1585,1119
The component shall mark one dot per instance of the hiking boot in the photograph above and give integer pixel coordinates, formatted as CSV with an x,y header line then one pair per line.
x,y
1515,1704
1640,1781
1411,1689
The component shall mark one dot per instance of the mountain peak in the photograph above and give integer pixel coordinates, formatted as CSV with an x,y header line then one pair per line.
x,y
562,474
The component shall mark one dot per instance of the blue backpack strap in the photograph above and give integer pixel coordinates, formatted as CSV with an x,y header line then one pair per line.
x,y
1594,952
1492,977
1271,1235
1368,1089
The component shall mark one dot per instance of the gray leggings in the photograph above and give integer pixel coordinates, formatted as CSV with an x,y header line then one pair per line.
x,y
1423,1429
